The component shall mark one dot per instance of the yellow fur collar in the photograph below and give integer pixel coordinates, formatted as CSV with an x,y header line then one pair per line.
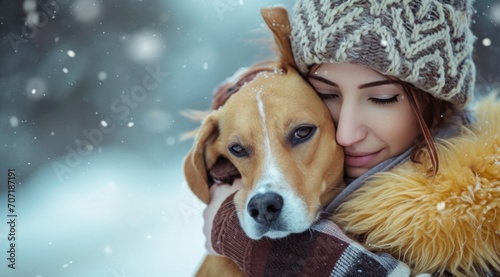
x,y
449,222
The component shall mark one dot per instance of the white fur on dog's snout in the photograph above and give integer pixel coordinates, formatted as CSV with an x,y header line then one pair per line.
x,y
293,217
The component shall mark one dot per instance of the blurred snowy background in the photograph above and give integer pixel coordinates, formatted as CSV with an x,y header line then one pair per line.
x,y
90,98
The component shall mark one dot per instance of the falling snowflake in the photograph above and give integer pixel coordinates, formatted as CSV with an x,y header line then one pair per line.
x,y
102,75
71,53
14,121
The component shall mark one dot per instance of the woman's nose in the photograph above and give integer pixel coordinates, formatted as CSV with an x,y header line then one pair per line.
x,y
350,127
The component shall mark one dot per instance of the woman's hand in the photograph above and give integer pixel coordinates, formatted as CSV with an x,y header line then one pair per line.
x,y
218,193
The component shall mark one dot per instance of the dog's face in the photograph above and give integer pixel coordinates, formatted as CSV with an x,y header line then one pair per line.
x,y
280,137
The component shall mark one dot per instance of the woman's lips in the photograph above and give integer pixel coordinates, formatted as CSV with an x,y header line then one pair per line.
x,y
360,159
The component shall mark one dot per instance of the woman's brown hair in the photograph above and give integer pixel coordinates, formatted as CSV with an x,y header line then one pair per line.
x,y
431,113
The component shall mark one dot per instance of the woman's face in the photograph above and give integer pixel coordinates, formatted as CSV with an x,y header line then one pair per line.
x,y
372,114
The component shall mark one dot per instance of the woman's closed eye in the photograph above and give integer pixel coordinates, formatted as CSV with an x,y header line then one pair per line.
x,y
385,101
327,96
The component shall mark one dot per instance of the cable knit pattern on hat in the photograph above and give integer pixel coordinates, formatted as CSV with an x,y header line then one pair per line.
x,y
426,43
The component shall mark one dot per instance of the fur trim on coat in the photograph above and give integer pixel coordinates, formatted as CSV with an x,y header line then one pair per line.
x,y
447,223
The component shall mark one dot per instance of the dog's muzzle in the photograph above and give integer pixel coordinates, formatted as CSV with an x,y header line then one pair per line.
x,y
265,208
265,212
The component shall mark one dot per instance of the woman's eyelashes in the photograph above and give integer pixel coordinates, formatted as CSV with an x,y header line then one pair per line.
x,y
385,101
327,96
375,100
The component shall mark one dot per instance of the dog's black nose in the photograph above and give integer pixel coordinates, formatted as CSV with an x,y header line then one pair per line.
x,y
265,207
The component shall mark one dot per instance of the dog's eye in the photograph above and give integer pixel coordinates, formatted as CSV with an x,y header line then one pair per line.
x,y
302,134
238,150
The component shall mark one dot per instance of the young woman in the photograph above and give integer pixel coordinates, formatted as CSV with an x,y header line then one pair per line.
x,y
396,76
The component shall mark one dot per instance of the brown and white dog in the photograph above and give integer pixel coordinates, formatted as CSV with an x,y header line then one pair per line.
x,y
280,138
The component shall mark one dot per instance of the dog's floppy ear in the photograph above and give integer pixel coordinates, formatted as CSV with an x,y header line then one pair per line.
x,y
195,167
277,20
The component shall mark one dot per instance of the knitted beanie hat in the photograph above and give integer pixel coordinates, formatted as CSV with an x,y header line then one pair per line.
x,y
427,43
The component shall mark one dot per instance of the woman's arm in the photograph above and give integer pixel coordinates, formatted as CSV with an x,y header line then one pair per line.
x,y
322,251
218,194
